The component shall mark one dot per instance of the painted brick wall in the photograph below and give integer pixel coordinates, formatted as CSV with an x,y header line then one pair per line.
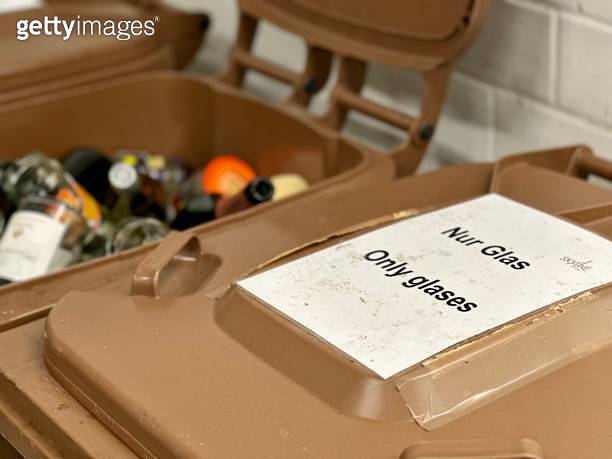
x,y
540,75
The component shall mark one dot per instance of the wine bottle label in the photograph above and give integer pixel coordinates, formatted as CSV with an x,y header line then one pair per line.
x,y
400,294
30,245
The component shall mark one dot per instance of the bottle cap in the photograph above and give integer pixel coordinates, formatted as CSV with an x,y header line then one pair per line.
x,y
123,177
256,192
131,159
259,190
154,166
155,162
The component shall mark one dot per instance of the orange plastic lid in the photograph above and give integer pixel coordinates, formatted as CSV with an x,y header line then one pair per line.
x,y
226,175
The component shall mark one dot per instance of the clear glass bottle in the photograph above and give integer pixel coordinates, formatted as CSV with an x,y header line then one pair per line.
x,y
136,231
34,175
42,236
136,194
125,182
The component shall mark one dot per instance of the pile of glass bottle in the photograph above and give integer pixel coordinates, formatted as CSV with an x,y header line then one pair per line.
x,y
54,214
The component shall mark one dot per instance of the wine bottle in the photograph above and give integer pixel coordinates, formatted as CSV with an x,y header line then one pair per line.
x,y
256,192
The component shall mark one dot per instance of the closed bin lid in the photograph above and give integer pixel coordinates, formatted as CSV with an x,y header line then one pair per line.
x,y
236,374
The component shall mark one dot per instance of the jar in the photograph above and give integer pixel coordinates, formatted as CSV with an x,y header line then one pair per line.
x,y
137,231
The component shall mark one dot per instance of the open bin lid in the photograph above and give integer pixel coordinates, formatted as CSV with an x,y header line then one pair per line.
x,y
226,374
40,65
420,34
425,36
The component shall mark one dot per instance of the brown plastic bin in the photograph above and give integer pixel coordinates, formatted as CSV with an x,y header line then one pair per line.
x,y
195,118
182,31
177,374
43,65
262,409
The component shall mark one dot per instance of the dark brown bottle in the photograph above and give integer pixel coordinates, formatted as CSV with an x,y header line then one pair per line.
x,y
89,168
196,211
256,192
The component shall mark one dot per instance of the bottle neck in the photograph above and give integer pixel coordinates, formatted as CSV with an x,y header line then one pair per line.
x,y
259,190
256,192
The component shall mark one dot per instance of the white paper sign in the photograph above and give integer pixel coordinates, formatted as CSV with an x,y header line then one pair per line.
x,y
398,295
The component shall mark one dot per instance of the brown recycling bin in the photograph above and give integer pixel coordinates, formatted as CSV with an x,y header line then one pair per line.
x,y
182,31
40,65
194,118
206,371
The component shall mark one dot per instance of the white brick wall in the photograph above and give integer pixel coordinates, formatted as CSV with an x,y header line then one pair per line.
x,y
540,75
525,61
585,63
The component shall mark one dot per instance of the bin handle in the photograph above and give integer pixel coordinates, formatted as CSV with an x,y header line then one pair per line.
x,y
585,163
486,448
178,247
